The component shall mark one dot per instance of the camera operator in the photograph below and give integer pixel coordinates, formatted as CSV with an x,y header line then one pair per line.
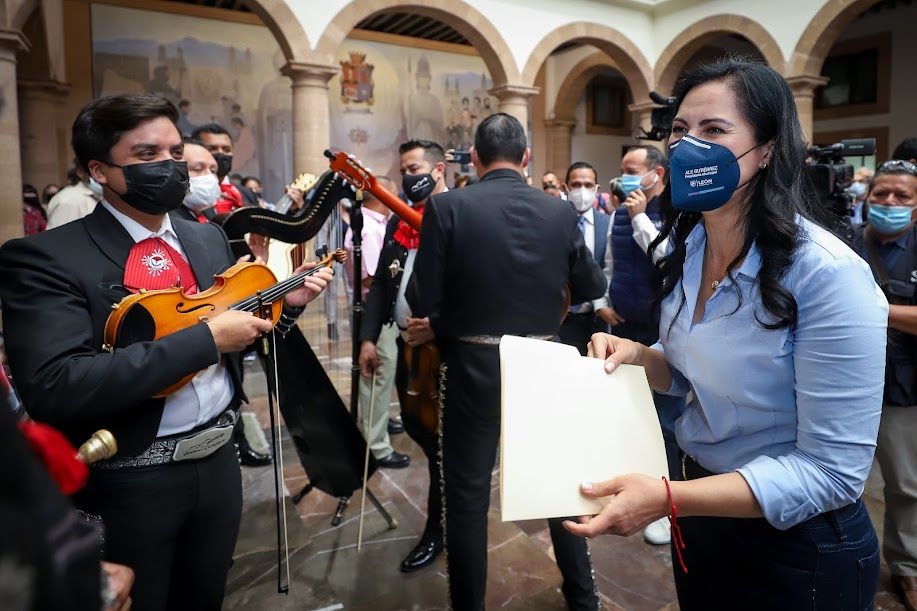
x,y
888,242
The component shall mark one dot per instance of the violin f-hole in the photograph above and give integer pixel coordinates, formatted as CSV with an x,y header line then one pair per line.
x,y
209,306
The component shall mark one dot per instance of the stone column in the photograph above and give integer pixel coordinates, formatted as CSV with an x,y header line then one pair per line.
x,y
558,149
40,105
311,120
11,176
515,101
643,112
804,87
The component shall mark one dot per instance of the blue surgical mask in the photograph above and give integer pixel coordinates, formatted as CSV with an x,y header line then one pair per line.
x,y
703,175
630,183
889,219
858,189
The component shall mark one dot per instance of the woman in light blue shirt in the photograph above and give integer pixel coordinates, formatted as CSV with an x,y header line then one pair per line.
x,y
779,330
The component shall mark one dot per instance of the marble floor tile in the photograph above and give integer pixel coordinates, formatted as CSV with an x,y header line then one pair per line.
x,y
328,573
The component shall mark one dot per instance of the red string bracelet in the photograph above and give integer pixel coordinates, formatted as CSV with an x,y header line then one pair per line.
x,y
675,528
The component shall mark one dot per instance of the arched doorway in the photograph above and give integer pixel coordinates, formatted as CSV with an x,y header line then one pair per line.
x,y
711,38
596,52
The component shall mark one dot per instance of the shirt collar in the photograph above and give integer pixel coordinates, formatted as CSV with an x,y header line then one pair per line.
x,y
376,216
589,215
137,231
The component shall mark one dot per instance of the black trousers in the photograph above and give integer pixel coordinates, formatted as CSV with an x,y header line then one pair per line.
x,y
577,330
175,524
430,446
471,430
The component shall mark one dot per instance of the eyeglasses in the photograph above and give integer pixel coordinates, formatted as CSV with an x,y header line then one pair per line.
x,y
897,164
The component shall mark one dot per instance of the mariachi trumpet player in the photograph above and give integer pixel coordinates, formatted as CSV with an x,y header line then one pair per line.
x,y
171,511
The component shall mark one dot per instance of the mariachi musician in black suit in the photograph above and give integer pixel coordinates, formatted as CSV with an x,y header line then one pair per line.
x,y
494,259
423,168
171,500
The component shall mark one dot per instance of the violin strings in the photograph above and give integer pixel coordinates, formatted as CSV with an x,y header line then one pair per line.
x,y
250,304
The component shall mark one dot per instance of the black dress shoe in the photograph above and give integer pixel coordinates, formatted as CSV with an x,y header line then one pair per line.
x,y
248,457
394,461
422,555
395,427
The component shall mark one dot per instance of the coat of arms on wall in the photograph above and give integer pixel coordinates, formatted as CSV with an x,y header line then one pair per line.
x,y
357,80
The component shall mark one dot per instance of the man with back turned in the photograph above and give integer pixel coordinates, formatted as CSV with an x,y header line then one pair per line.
x,y
495,259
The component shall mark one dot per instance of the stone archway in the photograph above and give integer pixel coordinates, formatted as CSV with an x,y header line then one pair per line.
x,y
468,21
285,27
576,80
630,61
820,35
805,65
694,37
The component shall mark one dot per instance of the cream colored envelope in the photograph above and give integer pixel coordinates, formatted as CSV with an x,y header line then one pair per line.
x,y
565,421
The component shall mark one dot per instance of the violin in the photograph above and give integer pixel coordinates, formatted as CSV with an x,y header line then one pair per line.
x,y
249,287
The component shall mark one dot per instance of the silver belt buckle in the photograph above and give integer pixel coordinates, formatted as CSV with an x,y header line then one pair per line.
x,y
203,444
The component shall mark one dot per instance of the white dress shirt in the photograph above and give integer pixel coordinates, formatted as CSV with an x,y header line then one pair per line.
x,y
210,391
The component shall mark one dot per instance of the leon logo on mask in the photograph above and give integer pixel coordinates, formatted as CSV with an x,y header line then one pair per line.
x,y
704,174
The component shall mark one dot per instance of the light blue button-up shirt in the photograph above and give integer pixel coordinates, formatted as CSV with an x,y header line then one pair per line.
x,y
795,411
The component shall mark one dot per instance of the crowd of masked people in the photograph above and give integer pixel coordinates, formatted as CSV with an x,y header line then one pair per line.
x,y
763,334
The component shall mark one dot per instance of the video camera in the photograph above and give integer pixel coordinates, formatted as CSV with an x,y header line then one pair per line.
x,y
661,119
831,175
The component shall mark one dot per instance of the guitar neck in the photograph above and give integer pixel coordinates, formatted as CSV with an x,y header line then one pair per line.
x,y
394,203
283,206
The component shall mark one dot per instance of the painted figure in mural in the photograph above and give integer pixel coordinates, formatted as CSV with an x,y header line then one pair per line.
x,y
274,132
425,113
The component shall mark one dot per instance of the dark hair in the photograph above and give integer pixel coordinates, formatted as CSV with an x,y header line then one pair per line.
x,y
581,165
654,157
248,178
906,150
193,140
775,195
210,128
432,152
184,103
500,137
102,122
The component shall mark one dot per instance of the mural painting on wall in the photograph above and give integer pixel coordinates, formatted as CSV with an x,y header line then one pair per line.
x,y
214,71
390,93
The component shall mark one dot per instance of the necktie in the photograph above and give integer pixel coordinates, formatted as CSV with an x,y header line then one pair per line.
x,y
154,265
581,222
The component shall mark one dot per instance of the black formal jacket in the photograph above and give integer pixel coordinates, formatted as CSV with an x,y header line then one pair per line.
x,y
57,289
379,308
495,258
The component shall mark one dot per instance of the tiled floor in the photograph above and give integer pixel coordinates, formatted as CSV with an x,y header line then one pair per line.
x,y
327,572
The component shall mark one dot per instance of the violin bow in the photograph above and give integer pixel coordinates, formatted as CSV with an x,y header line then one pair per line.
x,y
372,402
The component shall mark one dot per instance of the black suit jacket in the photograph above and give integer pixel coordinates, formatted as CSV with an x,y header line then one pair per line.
x,y
495,258
57,289
379,308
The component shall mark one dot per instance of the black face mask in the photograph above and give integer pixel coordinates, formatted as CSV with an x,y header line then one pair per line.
x,y
224,164
156,187
418,188
31,200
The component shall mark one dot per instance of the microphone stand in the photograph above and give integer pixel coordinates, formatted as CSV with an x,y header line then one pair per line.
x,y
356,229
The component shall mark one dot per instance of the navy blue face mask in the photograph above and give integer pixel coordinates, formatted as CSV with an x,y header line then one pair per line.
x,y
703,175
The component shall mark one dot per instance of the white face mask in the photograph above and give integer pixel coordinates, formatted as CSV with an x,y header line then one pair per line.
x,y
204,192
95,187
582,199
